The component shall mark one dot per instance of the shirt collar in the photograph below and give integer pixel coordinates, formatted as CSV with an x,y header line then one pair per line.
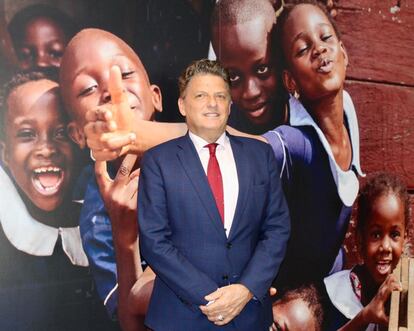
x,y
346,181
200,143
31,236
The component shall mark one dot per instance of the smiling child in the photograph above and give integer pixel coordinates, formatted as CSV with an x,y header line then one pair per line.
x,y
44,282
359,295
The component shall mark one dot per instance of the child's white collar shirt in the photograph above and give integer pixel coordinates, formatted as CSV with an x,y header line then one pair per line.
x,y
31,236
346,181
343,297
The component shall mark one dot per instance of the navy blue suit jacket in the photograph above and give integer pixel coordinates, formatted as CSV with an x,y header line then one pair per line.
x,y
183,239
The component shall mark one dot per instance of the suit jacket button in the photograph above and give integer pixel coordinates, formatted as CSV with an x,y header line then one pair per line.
x,y
229,245
225,277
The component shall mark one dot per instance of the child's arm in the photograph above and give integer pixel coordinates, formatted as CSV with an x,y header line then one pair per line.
x,y
120,198
108,142
374,312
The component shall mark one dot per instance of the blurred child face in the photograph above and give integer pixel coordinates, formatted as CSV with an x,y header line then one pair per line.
x,y
244,50
86,74
294,315
43,44
316,59
383,237
37,150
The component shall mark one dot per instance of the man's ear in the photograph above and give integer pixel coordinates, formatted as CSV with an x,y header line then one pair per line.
x,y
289,82
3,154
181,106
156,97
76,135
345,53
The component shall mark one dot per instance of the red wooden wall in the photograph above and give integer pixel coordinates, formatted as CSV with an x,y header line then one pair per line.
x,y
379,37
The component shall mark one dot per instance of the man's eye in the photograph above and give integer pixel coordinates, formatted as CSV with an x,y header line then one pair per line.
x,y
262,70
87,91
26,134
127,74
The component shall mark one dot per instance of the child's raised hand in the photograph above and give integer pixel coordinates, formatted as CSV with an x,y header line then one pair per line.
x,y
120,198
375,311
109,127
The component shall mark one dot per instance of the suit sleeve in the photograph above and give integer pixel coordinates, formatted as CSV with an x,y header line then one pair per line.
x,y
179,274
271,247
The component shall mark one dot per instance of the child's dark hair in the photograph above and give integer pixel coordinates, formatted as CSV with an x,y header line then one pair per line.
x,y
18,23
281,22
16,81
378,185
310,295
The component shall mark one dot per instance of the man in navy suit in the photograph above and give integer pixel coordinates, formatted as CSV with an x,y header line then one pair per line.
x,y
213,218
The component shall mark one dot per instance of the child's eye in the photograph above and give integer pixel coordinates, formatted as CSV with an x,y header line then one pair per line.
x,y
87,91
326,37
395,234
263,69
375,235
56,54
61,134
26,134
234,78
127,74
302,51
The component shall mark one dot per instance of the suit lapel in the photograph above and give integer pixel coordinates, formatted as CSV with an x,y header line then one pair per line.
x,y
244,177
191,163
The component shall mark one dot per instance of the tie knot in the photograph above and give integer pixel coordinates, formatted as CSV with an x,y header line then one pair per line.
x,y
212,148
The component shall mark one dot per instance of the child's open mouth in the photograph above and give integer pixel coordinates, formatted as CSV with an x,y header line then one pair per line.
x,y
47,180
384,267
325,66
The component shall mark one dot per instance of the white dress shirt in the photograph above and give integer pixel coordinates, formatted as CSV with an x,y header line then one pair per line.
x,y
225,158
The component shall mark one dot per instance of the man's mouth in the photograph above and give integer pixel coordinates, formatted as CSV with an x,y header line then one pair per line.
x,y
47,180
211,114
325,66
384,267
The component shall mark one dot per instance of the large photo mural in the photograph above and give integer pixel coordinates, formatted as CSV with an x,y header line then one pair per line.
x,y
206,165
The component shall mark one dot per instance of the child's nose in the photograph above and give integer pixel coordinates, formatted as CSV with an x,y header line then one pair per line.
x,y
45,148
42,60
319,49
386,244
251,89
105,97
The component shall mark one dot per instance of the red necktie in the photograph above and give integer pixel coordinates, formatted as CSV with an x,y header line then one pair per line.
x,y
215,180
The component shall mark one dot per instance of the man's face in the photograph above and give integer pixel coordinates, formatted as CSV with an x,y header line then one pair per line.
x,y
86,76
244,50
206,106
37,151
43,44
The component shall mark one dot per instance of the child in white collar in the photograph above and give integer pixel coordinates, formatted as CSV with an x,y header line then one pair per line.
x,y
44,282
358,295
